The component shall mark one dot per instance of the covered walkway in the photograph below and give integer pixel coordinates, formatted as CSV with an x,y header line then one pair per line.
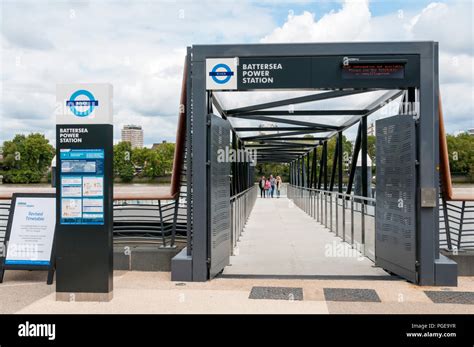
x,y
282,240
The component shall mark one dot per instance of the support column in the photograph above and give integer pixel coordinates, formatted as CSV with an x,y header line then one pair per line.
x,y
364,156
325,156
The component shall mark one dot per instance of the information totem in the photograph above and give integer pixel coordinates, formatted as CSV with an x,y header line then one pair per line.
x,y
84,192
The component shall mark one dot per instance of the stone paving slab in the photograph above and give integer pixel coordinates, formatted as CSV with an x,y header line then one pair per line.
x,y
451,297
351,294
276,293
154,292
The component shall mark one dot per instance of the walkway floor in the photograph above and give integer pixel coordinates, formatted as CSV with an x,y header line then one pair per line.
x,y
153,292
281,239
298,248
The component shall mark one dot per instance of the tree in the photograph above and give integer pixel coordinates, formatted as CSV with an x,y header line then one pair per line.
x,y
165,156
123,166
26,158
371,140
275,169
461,153
346,152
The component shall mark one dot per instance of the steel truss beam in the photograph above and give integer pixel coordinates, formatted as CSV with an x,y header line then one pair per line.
x,y
287,121
298,100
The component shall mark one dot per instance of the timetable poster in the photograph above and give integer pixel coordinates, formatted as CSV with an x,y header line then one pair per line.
x,y
82,186
32,231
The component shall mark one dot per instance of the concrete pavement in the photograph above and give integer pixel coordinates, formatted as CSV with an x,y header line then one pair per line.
x,y
281,239
153,292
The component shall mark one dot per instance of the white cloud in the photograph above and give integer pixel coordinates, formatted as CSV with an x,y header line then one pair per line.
x,y
347,24
139,47
449,24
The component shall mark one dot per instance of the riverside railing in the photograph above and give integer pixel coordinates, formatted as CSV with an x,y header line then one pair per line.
x,y
157,221
240,207
456,225
350,217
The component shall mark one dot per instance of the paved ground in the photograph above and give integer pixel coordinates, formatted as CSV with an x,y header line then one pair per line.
x,y
153,292
300,252
281,239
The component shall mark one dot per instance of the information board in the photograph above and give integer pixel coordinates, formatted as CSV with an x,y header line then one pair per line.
x,y
82,186
30,233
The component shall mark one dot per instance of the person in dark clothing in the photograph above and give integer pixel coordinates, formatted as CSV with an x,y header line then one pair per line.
x,y
272,184
261,185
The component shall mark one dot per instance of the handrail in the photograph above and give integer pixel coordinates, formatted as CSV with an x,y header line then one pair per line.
x,y
117,196
241,205
446,182
233,197
344,195
178,160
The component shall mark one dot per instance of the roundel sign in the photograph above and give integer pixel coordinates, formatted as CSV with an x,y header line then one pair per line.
x,y
82,103
221,74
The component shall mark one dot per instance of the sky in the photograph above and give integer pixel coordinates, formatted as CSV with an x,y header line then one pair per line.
x,y
139,47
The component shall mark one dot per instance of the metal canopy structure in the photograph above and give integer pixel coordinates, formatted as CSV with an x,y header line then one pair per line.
x,y
291,137
286,101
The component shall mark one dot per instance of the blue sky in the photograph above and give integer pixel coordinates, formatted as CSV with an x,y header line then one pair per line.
x,y
139,46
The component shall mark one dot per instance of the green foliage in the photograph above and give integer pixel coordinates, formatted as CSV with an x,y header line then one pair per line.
x,y
142,162
371,140
275,169
123,166
26,158
461,154
164,158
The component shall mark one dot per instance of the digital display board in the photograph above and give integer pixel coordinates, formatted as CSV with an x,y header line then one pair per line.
x,y
368,70
82,186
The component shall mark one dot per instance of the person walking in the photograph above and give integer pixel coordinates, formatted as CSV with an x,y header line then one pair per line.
x,y
278,185
261,185
268,187
272,185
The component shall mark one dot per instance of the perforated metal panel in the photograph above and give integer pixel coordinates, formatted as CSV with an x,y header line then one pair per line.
x,y
219,209
395,217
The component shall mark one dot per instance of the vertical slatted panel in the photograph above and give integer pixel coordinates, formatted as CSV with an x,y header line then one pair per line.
x,y
220,231
396,196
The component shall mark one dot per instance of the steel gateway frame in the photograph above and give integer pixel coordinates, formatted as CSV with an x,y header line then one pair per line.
x,y
193,263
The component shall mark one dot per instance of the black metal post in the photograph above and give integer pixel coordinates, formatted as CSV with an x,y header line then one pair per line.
x,y
364,157
308,179
339,164
355,156
325,155
334,165
315,159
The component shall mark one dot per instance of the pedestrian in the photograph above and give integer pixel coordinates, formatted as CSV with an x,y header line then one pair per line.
x,y
261,185
272,184
268,186
278,185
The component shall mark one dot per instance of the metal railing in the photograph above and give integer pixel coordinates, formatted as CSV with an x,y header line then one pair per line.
x,y
240,207
162,222
457,230
350,217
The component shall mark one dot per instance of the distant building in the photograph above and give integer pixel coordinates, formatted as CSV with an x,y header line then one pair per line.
x,y
371,129
133,134
470,131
